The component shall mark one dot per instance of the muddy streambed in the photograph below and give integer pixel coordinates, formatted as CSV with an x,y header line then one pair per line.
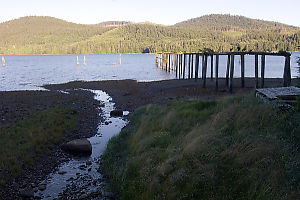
x,y
80,178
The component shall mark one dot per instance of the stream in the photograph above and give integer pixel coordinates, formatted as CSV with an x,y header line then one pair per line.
x,y
80,178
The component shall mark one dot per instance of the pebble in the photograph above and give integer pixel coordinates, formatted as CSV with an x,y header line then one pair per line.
x,y
82,167
88,162
61,172
42,187
70,179
83,196
26,193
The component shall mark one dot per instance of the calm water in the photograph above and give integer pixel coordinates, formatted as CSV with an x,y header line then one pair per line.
x,y
29,72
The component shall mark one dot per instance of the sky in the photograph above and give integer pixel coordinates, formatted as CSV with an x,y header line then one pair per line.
x,y
167,12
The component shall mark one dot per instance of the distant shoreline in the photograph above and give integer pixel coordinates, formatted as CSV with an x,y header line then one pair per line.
x,y
95,54
71,54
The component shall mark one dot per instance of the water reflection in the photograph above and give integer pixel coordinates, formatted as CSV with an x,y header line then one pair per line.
x,y
298,61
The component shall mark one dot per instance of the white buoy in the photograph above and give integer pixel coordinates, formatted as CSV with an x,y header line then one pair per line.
x,y
120,60
3,61
77,61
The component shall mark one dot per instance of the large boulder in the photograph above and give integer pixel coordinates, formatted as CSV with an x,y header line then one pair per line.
x,y
116,113
78,147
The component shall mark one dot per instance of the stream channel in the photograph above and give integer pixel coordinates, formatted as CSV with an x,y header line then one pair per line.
x,y
80,178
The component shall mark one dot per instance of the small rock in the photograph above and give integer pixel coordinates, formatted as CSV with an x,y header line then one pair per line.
x,y
106,123
88,162
26,193
70,179
61,172
82,167
116,113
89,169
83,196
42,187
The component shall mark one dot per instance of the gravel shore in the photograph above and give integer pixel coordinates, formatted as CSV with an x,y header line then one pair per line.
x,y
127,94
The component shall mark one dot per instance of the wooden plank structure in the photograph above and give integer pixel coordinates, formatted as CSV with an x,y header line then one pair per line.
x,y
286,94
179,64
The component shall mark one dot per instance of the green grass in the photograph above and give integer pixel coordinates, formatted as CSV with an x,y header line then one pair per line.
x,y
23,141
234,148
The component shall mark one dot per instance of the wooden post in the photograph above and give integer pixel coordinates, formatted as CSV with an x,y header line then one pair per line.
x,y
287,72
263,65
189,76
217,71
212,66
172,62
231,72
184,61
169,63
204,70
227,70
192,66
203,63
243,70
176,64
164,60
196,66
180,65
256,70
3,61
161,62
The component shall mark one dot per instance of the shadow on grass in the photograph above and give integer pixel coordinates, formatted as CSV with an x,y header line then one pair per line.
x,y
235,148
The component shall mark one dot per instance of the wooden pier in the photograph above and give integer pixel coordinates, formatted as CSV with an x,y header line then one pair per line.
x,y
189,64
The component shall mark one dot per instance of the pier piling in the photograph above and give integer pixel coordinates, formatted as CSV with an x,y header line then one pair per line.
x,y
186,67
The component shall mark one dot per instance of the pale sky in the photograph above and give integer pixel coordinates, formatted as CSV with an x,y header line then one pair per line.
x,y
166,12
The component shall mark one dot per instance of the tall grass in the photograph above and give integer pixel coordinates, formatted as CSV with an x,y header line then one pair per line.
x,y
235,148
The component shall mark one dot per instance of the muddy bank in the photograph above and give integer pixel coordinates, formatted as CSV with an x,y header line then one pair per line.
x,y
18,105
130,94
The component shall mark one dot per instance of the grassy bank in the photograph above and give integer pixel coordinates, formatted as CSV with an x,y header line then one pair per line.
x,y
234,148
24,140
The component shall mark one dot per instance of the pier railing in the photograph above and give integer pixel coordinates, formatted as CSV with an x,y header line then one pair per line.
x,y
184,64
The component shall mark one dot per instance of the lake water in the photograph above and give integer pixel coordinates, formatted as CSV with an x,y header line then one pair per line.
x,y
29,72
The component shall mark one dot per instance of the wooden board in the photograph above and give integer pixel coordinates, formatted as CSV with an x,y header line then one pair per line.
x,y
287,93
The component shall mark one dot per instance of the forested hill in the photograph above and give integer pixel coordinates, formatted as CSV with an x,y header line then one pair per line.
x,y
233,23
48,35
113,23
43,35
